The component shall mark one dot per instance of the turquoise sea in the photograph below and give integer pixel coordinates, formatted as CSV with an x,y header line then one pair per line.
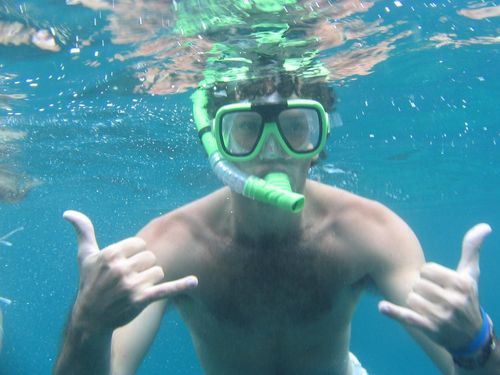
x,y
95,115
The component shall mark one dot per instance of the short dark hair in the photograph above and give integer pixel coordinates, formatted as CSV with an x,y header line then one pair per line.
x,y
285,83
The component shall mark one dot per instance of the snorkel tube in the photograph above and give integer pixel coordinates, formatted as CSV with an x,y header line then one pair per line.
x,y
274,189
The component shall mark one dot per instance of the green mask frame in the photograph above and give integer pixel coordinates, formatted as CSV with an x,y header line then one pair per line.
x,y
264,123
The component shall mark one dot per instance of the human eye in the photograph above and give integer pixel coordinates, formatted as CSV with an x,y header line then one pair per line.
x,y
247,122
297,125
246,125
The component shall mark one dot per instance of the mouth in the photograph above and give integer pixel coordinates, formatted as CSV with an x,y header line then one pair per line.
x,y
263,170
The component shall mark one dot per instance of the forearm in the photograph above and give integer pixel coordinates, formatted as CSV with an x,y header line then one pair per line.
x,y
84,350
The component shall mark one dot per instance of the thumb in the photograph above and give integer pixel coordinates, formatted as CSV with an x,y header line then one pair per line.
x,y
469,262
85,235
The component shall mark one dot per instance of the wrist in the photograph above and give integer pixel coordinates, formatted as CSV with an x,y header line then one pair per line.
x,y
478,351
85,326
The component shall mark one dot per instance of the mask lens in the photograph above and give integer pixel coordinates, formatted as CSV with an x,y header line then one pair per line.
x,y
241,132
300,128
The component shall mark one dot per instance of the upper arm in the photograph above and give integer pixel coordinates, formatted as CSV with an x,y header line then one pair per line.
x,y
170,238
399,258
131,342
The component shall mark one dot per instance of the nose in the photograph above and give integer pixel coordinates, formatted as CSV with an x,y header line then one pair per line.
x,y
271,150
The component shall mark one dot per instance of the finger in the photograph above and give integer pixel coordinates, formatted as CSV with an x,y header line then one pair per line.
x,y
439,275
420,304
170,289
150,276
469,261
142,261
126,248
429,290
87,243
404,315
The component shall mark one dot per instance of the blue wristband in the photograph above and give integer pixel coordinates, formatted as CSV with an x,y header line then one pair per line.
x,y
478,342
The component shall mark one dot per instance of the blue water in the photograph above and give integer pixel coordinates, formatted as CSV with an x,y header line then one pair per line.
x,y
420,133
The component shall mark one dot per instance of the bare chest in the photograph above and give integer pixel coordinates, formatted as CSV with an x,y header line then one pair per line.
x,y
276,285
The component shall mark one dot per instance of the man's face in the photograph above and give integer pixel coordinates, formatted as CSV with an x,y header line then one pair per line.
x,y
273,158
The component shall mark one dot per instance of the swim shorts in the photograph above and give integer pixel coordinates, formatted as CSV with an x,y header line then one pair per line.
x,y
357,368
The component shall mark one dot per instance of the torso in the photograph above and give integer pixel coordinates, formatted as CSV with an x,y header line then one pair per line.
x,y
269,308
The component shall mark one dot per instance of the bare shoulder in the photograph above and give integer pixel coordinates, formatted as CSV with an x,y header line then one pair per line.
x,y
175,237
371,228
347,208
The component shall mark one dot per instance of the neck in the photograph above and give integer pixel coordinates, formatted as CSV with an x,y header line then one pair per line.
x,y
252,219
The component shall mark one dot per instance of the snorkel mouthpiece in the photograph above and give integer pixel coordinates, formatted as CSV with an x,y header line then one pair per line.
x,y
279,180
274,189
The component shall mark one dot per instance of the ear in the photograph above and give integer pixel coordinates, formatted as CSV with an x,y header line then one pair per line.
x,y
316,158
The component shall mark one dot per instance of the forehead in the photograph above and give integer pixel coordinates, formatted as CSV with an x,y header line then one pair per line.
x,y
263,88
262,91
273,98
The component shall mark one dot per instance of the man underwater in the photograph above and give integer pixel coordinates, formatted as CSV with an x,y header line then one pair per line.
x,y
262,290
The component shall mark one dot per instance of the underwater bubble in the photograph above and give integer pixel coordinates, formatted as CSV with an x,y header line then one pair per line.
x,y
332,169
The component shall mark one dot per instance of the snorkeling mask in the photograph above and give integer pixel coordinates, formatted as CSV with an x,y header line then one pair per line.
x,y
300,126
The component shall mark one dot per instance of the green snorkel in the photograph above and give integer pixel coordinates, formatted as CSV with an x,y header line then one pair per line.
x,y
274,189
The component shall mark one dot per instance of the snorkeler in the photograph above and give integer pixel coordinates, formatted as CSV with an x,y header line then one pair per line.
x,y
265,287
